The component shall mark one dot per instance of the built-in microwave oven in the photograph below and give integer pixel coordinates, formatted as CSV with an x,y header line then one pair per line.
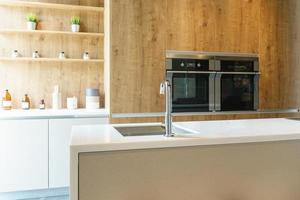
x,y
203,82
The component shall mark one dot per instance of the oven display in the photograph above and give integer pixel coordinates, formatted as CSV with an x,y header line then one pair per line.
x,y
190,64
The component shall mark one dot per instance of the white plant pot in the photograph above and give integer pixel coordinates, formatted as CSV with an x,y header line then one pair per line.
x,y
75,27
31,26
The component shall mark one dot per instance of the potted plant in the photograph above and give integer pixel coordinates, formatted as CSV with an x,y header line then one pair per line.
x,y
75,23
31,21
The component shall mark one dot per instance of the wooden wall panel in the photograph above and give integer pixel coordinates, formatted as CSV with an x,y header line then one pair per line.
x,y
271,59
292,95
253,26
236,25
218,25
138,50
191,25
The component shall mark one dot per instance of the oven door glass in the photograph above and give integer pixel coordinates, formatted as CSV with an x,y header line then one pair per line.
x,y
237,92
190,92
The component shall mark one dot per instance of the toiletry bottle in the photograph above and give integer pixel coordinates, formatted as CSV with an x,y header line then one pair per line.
x,y
86,56
56,98
6,101
25,102
15,54
35,54
42,104
61,55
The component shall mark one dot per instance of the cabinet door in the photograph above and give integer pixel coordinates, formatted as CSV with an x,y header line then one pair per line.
x,y
59,139
23,155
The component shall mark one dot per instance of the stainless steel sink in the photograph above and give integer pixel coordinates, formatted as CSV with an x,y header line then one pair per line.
x,y
140,130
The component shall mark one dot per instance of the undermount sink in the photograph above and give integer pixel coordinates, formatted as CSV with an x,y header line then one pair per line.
x,y
149,130
140,130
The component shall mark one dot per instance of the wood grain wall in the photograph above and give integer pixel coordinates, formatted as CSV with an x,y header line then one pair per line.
x,y
292,92
37,79
142,30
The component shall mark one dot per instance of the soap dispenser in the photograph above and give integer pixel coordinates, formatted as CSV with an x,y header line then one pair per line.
x,y
56,98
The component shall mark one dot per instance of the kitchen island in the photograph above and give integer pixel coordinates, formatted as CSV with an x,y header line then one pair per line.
x,y
234,159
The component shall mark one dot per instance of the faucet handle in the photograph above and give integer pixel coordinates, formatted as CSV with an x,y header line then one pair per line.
x,y
162,88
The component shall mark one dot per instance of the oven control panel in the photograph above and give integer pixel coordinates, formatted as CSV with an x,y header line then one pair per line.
x,y
190,65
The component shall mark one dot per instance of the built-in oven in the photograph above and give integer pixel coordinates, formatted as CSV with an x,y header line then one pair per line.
x,y
213,81
192,80
236,83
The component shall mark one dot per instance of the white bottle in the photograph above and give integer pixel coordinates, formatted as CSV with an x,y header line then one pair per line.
x,y
35,54
15,54
61,55
56,98
86,56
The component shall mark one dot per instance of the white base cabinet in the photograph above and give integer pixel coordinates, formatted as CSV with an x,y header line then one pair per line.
x,y
23,155
59,153
34,153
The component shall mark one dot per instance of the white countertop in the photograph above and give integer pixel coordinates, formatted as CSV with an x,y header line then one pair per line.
x,y
49,113
107,138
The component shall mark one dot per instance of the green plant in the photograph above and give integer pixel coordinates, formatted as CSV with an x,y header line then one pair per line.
x,y
75,20
32,17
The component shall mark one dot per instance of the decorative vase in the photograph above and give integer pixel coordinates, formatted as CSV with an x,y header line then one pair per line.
x,y
75,27
31,26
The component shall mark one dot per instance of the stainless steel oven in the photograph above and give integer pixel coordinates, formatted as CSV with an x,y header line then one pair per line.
x,y
192,80
203,81
236,83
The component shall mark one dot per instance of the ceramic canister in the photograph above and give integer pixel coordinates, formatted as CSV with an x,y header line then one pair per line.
x,y
92,98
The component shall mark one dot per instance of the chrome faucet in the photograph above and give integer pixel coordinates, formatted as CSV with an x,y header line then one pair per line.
x,y
165,88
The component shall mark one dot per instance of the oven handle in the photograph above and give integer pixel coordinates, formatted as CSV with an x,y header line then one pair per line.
x,y
190,72
240,73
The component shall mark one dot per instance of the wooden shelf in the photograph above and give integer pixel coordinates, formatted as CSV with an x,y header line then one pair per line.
x,y
28,59
49,5
17,31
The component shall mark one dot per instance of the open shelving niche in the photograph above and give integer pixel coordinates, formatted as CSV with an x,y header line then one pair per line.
x,y
43,5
